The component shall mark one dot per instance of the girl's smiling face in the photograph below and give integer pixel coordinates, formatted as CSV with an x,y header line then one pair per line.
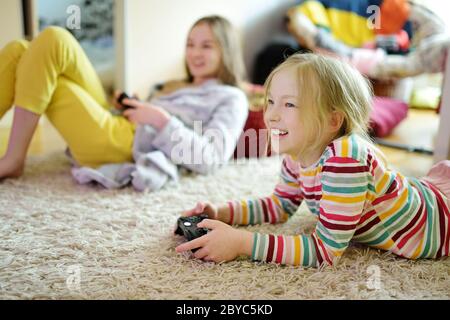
x,y
203,55
282,115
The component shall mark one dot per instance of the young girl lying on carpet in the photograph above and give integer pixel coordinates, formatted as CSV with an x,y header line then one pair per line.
x,y
52,76
317,111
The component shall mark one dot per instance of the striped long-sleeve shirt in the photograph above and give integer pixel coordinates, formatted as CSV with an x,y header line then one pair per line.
x,y
356,198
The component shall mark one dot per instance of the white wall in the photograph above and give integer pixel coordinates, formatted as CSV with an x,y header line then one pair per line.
x,y
11,26
156,32
442,148
441,8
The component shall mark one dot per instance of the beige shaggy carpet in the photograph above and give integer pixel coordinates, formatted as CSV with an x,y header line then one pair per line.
x,y
59,240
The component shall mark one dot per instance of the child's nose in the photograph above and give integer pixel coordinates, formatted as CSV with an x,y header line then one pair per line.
x,y
198,52
272,115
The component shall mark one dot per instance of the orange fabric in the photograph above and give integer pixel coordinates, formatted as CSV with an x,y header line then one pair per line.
x,y
394,14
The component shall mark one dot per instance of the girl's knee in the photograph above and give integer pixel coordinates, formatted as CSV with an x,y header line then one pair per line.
x,y
16,47
55,33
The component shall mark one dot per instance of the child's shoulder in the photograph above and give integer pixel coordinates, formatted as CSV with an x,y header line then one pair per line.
x,y
350,147
169,87
174,85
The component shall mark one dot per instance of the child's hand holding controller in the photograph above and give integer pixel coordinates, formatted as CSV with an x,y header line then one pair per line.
x,y
118,100
141,113
203,207
123,97
222,242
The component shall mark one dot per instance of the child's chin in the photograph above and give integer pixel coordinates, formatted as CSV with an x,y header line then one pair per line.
x,y
277,150
282,151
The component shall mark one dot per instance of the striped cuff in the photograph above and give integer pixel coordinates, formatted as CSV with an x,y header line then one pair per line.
x,y
280,249
260,242
244,212
269,248
251,212
235,212
232,215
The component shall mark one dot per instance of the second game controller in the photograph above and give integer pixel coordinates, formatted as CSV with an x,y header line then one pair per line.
x,y
120,99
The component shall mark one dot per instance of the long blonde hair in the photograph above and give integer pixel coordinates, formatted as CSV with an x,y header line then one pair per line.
x,y
328,85
231,69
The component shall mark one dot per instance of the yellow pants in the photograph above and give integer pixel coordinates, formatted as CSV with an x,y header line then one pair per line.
x,y
52,75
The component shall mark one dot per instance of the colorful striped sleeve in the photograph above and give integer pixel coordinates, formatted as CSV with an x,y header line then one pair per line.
x,y
278,207
345,183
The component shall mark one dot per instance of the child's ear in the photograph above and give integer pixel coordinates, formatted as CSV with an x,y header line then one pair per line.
x,y
336,121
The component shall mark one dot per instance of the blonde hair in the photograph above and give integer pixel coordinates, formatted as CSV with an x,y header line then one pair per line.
x,y
231,69
328,85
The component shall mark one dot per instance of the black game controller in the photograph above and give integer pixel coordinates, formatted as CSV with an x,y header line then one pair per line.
x,y
120,99
187,227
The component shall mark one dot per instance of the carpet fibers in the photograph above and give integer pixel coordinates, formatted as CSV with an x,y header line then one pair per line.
x,y
60,240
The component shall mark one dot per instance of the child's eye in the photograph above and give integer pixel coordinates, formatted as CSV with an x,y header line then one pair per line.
x,y
208,45
290,105
269,101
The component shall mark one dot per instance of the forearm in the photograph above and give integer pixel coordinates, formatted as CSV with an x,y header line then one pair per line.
x,y
270,209
247,237
301,28
231,212
297,250
159,119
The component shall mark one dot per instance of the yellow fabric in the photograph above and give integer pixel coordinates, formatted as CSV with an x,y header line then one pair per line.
x,y
9,58
94,135
345,26
426,97
54,77
316,12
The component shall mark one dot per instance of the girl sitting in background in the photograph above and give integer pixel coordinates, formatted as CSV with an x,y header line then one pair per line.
x,y
52,76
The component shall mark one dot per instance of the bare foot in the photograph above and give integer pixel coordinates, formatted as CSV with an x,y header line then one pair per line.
x,y
10,169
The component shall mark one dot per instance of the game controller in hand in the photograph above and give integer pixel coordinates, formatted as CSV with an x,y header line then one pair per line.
x,y
187,227
120,99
